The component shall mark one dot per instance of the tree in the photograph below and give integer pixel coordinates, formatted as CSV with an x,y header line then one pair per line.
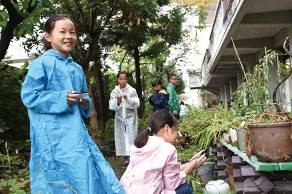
x,y
146,32
17,19
13,115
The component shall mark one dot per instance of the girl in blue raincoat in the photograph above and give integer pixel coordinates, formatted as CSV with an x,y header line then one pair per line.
x,y
64,158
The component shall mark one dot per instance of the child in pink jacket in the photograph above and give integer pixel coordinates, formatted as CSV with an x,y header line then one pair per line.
x,y
154,168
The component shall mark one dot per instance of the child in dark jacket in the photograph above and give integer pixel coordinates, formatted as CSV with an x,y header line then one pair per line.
x,y
159,100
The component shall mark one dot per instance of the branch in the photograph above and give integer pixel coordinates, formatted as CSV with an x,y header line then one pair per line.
x,y
110,14
7,32
120,66
31,6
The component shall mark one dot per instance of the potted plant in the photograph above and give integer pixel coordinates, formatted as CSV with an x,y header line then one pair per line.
x,y
269,127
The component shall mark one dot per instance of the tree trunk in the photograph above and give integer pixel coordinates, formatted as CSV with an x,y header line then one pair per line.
x,y
7,31
136,56
93,117
100,93
101,102
95,124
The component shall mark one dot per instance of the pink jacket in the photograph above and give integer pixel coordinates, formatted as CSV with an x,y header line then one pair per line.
x,y
153,169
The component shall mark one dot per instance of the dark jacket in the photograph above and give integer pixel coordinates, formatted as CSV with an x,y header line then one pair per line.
x,y
159,100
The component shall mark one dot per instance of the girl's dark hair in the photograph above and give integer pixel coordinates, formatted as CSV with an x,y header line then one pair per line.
x,y
122,73
170,76
157,120
157,82
50,24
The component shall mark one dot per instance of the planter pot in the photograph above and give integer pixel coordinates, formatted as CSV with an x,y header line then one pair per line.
x,y
206,172
217,187
271,142
241,136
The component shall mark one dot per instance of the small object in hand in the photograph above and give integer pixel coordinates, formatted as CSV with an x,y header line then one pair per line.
x,y
193,158
205,152
82,95
198,155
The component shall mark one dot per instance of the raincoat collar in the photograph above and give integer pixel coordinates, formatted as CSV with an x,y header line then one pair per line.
x,y
52,52
126,87
153,144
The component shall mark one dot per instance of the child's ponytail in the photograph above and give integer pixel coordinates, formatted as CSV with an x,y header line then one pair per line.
x,y
142,138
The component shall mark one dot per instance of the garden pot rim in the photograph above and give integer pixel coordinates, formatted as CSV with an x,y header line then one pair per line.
x,y
274,124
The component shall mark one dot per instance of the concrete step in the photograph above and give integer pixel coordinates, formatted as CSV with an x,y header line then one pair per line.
x,y
236,161
249,187
249,171
222,174
282,187
221,164
238,176
238,187
264,184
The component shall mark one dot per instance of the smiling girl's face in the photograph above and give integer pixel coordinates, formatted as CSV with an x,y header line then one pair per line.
x,y
62,37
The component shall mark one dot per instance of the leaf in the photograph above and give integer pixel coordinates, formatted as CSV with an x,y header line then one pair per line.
x,y
3,18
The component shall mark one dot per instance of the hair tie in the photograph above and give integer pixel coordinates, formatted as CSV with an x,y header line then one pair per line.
x,y
149,129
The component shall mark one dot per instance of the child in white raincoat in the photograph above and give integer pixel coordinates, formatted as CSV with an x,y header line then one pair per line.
x,y
124,101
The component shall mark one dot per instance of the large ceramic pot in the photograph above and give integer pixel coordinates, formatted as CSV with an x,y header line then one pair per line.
x,y
271,142
217,187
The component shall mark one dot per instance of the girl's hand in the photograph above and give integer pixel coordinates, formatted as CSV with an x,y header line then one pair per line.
x,y
119,99
125,97
73,98
195,163
197,155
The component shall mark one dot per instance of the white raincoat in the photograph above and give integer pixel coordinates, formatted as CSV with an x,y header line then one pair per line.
x,y
126,119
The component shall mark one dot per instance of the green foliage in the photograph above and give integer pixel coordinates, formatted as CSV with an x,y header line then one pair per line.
x,y
31,17
206,125
14,120
14,176
253,100
109,133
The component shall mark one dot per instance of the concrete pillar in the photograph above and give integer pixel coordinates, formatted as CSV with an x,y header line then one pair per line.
x,y
288,83
233,84
226,95
231,89
222,95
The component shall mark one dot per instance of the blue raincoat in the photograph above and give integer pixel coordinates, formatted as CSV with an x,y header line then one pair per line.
x,y
64,158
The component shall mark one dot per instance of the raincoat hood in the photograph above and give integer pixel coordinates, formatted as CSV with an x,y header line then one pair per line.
x,y
117,87
151,148
153,169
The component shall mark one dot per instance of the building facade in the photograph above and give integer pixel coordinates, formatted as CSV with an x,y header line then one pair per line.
x,y
254,25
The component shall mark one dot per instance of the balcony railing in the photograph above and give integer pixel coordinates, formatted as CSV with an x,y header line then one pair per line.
x,y
223,17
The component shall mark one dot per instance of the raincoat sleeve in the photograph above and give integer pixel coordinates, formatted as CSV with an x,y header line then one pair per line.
x,y
34,95
86,113
172,176
173,103
113,103
133,101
